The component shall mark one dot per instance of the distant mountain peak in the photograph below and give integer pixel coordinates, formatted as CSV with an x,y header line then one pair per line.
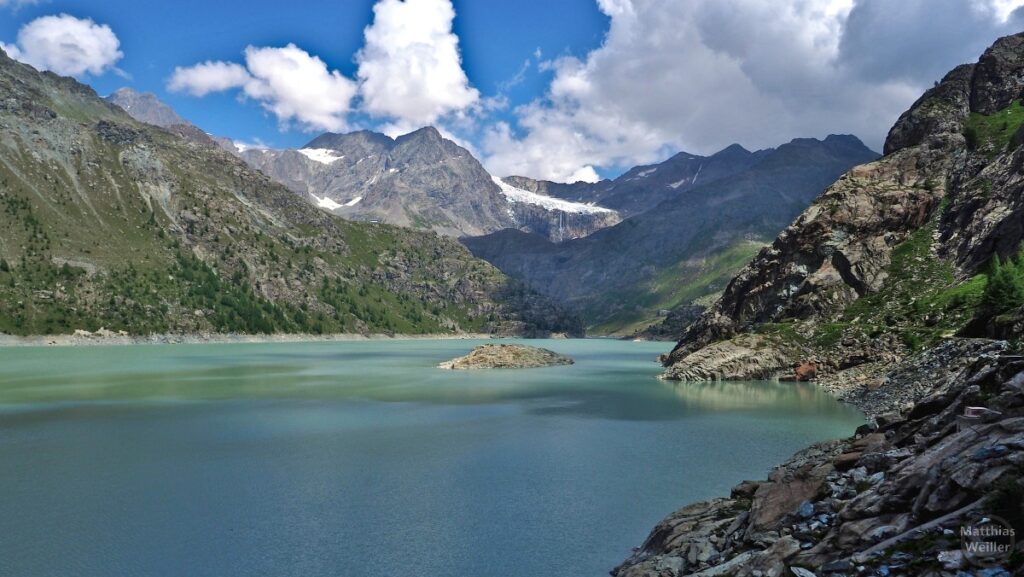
x,y
733,149
427,133
146,107
843,138
338,141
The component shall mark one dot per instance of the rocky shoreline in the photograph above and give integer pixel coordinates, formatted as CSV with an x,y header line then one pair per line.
x,y
888,501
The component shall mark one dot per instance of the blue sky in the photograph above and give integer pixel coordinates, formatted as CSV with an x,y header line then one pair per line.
x,y
496,39
559,89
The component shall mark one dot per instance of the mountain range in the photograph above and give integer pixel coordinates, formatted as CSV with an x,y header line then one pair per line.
x,y
420,180
689,223
714,214
108,222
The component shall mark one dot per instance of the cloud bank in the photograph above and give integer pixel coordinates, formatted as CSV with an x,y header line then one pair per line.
x,y
294,85
701,74
66,45
693,75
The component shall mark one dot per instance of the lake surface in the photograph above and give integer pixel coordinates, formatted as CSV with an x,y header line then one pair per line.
x,y
361,459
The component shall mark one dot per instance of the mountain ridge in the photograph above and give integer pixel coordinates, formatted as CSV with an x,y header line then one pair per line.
x,y
622,275
418,180
113,223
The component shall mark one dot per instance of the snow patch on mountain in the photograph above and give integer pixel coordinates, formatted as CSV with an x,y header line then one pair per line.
x,y
325,202
321,155
514,194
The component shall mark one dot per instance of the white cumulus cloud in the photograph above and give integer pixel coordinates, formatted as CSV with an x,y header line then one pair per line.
x,y
207,77
66,45
294,85
701,74
410,69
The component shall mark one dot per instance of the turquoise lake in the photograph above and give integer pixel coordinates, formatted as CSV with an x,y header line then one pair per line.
x,y
362,459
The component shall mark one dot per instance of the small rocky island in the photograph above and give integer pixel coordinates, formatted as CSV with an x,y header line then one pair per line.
x,y
507,357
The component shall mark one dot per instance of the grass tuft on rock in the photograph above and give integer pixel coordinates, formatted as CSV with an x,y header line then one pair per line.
x,y
992,133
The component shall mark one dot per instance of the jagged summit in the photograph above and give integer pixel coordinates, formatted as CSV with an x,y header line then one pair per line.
x,y
733,149
419,180
427,133
332,140
146,107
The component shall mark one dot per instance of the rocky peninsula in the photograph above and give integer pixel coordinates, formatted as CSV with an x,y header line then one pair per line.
x,y
507,357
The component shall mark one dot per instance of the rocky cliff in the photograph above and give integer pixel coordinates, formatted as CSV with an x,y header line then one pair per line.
x,y
888,258
146,107
109,222
874,291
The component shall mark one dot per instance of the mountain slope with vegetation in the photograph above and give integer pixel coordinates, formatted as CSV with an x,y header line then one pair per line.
x,y
619,277
109,222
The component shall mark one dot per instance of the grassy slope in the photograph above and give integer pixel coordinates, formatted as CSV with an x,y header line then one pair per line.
x,y
681,284
921,300
107,222
993,133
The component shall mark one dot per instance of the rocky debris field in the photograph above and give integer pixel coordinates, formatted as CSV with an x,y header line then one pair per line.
x,y
507,357
889,501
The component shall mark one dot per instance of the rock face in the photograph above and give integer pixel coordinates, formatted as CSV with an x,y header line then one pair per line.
x,y
641,188
507,357
748,358
111,222
615,274
146,107
964,199
894,495
868,285
420,180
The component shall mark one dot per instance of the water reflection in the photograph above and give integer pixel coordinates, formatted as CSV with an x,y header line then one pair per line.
x,y
322,456
611,380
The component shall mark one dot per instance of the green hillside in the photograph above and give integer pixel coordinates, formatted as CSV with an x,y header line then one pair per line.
x,y
108,222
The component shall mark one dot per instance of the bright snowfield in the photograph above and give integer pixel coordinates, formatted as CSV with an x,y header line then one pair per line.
x,y
321,155
325,202
330,204
514,194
